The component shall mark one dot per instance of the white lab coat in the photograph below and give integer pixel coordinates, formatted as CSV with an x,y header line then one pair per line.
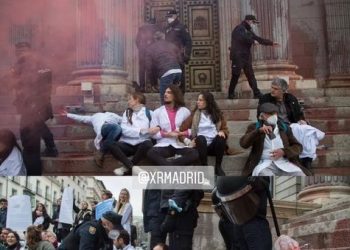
x,y
266,161
97,121
160,118
13,164
131,132
309,137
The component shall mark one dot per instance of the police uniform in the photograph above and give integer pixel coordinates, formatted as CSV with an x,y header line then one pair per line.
x,y
87,236
254,233
242,39
178,34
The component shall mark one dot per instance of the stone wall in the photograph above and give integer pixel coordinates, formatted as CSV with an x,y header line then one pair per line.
x,y
308,38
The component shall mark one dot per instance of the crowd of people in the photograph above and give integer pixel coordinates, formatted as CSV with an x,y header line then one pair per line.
x,y
171,134
277,138
114,230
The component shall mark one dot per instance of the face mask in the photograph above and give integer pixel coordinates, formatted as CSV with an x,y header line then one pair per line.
x,y
272,120
113,234
170,20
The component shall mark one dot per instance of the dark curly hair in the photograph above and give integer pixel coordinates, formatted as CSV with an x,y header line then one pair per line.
x,y
178,96
211,106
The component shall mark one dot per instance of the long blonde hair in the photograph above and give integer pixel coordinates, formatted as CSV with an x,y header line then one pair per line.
x,y
120,205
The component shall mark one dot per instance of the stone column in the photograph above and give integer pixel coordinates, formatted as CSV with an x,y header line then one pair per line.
x,y
338,38
324,189
100,42
229,16
274,17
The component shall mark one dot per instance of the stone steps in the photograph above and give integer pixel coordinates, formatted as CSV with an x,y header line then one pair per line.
x,y
74,144
333,162
324,228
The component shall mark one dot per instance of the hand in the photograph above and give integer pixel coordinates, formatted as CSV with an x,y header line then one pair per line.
x,y
153,130
276,154
265,129
63,112
284,242
171,134
222,134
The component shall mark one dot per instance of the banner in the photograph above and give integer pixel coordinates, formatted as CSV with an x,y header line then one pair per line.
x,y
19,213
66,210
104,206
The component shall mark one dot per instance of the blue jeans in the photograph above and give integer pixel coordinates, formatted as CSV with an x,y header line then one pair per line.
x,y
110,133
166,81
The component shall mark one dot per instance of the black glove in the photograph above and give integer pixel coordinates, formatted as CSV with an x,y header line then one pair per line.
x,y
169,223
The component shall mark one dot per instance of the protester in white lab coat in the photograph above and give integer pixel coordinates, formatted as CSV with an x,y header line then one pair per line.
x,y
135,139
168,118
11,160
107,128
275,150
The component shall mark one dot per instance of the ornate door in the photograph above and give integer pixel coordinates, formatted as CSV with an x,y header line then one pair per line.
x,y
201,18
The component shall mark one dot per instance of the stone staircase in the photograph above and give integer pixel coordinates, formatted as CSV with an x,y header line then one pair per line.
x,y
326,109
324,228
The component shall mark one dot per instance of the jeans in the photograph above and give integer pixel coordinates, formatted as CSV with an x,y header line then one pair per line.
x,y
166,81
110,133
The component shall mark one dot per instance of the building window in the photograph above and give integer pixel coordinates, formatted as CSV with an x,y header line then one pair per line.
x,y
1,189
54,196
38,189
13,192
47,191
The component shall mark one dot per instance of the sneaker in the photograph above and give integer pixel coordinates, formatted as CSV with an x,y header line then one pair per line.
x,y
99,158
120,171
52,152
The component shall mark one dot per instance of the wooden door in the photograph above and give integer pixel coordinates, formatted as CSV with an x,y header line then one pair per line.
x,y
201,18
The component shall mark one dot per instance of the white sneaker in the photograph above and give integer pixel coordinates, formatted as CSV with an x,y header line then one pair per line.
x,y
120,171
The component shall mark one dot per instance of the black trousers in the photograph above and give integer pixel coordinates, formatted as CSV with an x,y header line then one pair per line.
x,y
215,148
121,151
255,234
244,62
157,236
159,155
182,237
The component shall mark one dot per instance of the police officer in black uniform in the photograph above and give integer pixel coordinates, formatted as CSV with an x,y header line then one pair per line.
x,y
242,39
178,34
250,230
180,225
94,235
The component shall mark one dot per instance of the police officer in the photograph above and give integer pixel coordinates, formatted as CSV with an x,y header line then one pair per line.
x,y
182,216
94,235
33,103
178,34
242,39
246,226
